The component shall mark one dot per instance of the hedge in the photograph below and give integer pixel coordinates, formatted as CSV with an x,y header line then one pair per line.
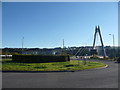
x,y
39,58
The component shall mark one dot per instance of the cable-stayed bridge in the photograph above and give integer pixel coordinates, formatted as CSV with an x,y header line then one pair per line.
x,y
99,50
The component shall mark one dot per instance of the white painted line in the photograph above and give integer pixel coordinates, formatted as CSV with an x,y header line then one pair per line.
x,y
102,67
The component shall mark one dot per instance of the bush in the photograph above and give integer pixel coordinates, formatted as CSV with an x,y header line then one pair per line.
x,y
118,60
94,57
39,58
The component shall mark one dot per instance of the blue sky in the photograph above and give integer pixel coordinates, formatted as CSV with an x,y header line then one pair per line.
x,y
46,24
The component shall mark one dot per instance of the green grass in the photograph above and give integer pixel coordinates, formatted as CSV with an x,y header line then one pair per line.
x,y
8,65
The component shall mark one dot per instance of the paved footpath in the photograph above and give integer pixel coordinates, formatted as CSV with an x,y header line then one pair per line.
x,y
93,78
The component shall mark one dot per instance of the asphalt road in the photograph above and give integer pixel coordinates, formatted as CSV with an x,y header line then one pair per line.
x,y
93,78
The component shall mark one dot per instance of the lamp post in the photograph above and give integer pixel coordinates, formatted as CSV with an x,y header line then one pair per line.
x,y
113,44
113,39
22,44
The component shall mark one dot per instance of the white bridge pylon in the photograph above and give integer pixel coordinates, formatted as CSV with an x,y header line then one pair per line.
x,y
97,32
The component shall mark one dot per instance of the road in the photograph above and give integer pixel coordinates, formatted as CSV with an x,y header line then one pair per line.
x,y
93,78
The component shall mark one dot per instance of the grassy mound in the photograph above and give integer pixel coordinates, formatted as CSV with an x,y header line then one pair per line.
x,y
9,65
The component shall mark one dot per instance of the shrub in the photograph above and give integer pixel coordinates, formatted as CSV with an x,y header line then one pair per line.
x,y
118,60
39,58
94,56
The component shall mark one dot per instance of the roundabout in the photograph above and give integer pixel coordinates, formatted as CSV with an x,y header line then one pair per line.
x,y
89,78
72,65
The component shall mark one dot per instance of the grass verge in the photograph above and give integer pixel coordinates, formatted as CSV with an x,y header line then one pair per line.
x,y
8,65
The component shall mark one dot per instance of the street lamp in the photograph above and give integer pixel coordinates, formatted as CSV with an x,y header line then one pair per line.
x,y
22,44
113,39
113,44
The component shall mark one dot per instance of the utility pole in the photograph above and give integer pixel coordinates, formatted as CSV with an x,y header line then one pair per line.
x,y
63,47
113,41
63,43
